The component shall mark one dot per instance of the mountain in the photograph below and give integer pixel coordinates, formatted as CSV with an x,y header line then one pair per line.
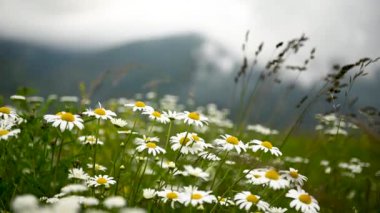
x,y
171,65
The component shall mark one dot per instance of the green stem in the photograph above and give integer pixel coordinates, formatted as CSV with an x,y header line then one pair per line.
x,y
95,145
218,169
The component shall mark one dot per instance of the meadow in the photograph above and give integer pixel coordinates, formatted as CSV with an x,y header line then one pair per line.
x,y
151,153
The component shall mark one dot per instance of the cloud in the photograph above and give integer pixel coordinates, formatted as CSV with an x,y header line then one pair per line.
x,y
341,30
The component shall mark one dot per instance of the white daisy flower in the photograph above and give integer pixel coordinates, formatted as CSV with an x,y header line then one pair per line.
x,y
146,139
114,202
90,140
186,143
6,130
88,201
18,97
276,210
294,177
7,112
302,201
25,203
195,197
262,129
69,99
274,180
265,146
101,180
172,115
225,201
74,188
119,122
139,106
78,173
170,195
209,156
229,142
156,115
193,118
166,164
196,172
64,120
100,113
256,176
149,193
245,200
98,167
152,148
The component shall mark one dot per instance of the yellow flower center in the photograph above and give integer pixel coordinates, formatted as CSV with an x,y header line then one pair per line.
x,y
196,138
194,116
140,104
196,196
252,198
67,116
151,145
156,114
3,132
184,141
5,110
232,140
100,111
101,180
267,144
171,195
293,174
272,174
305,198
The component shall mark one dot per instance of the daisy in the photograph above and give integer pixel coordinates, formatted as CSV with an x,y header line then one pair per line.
x,y
6,130
152,148
166,164
74,188
256,176
118,122
100,113
65,120
18,97
196,172
302,201
88,201
78,173
139,106
149,193
193,118
170,195
209,156
276,210
172,115
275,180
7,112
184,142
294,177
229,142
246,199
265,146
90,140
98,167
196,197
225,201
101,180
156,115
146,139
262,129
114,202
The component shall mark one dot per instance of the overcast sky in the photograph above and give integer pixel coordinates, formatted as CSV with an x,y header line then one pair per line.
x,y
340,29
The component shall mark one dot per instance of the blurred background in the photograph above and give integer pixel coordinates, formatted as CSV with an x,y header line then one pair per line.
x,y
192,49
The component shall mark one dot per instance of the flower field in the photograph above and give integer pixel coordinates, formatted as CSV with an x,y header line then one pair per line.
x,y
152,154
